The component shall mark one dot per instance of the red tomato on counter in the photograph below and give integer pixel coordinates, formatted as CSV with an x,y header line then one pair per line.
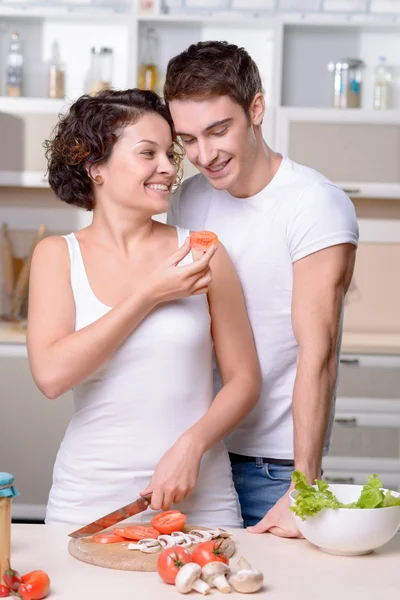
x,y
169,521
35,586
210,551
170,561
4,591
107,538
136,532
12,579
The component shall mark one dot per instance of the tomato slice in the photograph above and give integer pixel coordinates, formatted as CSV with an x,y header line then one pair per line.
x,y
107,538
169,521
136,532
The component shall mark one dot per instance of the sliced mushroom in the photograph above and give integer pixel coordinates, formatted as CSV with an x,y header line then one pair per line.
x,y
219,533
204,536
247,580
166,541
182,540
188,579
214,574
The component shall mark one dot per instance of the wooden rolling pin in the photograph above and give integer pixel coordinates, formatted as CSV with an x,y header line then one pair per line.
x,y
21,286
8,265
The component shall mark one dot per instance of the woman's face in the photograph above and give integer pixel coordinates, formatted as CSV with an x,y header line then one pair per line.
x,y
140,171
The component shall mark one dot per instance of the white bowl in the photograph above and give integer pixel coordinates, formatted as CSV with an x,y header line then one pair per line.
x,y
349,531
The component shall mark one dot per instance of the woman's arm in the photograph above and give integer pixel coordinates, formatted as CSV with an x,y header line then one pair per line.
x,y
176,474
60,357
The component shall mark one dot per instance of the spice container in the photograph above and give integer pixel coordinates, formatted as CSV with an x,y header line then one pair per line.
x,y
148,77
7,493
101,67
56,74
347,82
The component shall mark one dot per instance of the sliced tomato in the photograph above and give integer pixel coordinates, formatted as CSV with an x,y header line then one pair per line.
x,y
107,538
136,532
212,551
169,521
170,561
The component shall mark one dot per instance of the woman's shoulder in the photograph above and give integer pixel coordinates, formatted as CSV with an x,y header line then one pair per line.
x,y
51,249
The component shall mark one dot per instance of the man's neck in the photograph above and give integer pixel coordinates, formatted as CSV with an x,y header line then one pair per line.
x,y
261,173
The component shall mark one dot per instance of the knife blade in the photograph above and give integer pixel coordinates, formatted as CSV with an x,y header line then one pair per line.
x,y
129,510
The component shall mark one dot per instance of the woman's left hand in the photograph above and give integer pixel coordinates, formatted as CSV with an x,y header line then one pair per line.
x,y
175,476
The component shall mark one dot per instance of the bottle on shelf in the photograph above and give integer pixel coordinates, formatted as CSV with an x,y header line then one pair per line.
x,y
14,67
148,71
56,80
101,70
382,84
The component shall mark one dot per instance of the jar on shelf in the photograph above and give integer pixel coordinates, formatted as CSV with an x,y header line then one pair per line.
x,y
101,69
148,77
347,79
7,493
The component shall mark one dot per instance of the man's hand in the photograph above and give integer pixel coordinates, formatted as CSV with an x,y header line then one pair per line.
x,y
278,521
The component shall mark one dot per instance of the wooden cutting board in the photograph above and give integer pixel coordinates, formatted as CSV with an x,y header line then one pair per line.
x,y
117,556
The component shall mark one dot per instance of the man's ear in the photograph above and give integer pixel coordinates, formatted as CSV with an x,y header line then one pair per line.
x,y
257,109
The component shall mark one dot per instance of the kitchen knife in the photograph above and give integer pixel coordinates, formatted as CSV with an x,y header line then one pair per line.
x,y
113,518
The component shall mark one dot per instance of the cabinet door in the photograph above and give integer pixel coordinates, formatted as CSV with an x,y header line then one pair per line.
x,y
31,430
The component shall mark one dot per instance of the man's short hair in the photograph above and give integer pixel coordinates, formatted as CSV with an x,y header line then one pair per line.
x,y
212,69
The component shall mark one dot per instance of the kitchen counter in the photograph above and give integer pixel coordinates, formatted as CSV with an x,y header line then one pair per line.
x,y
293,569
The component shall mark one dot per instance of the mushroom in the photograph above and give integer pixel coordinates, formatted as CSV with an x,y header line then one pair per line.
x,y
147,545
181,539
166,541
204,536
188,579
214,574
246,580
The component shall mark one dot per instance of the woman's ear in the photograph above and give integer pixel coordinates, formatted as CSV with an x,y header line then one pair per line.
x,y
257,109
93,172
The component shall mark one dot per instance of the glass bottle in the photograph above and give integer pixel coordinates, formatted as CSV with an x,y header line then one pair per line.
x,y
56,79
148,71
101,70
14,67
382,84
7,493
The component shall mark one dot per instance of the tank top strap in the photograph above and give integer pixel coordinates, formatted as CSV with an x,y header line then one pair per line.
x,y
79,281
182,235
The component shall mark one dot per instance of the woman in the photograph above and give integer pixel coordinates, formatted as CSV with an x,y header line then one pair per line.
x,y
125,315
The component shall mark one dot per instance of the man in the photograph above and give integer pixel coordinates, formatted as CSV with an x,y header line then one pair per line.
x,y
292,236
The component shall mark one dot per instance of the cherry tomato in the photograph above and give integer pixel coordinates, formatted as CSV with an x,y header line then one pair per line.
x,y
169,521
212,551
107,538
12,579
4,591
136,532
170,561
35,586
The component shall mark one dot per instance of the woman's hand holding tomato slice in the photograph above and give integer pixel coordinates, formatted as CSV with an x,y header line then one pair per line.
x,y
175,476
169,521
170,561
211,551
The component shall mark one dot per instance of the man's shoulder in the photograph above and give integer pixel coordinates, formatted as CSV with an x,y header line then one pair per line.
x,y
193,187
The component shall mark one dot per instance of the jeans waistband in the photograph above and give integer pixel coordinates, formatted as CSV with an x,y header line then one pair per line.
x,y
239,458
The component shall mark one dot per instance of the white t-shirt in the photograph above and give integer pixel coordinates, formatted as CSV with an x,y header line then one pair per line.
x,y
298,213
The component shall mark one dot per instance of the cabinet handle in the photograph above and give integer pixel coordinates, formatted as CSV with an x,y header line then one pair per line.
x,y
351,422
340,479
351,191
350,361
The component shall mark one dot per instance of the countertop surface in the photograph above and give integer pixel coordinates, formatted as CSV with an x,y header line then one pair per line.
x,y
293,569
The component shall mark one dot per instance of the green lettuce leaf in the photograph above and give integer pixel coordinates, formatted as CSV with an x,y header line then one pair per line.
x,y
311,500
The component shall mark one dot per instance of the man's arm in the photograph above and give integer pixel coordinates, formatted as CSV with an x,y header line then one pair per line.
x,y
320,281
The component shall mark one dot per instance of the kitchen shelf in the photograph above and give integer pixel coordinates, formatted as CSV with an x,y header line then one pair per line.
x,y
63,13
32,105
27,179
13,351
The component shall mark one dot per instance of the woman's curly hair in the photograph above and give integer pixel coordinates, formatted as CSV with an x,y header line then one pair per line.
x,y
86,136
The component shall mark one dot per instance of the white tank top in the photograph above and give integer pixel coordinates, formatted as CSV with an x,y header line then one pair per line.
x,y
134,407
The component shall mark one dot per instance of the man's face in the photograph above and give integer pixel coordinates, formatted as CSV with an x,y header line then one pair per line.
x,y
219,140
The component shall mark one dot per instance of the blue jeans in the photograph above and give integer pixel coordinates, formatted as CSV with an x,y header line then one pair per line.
x,y
259,486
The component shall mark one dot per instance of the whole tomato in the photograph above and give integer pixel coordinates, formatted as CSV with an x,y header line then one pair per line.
x,y
4,591
170,561
212,551
35,586
12,579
